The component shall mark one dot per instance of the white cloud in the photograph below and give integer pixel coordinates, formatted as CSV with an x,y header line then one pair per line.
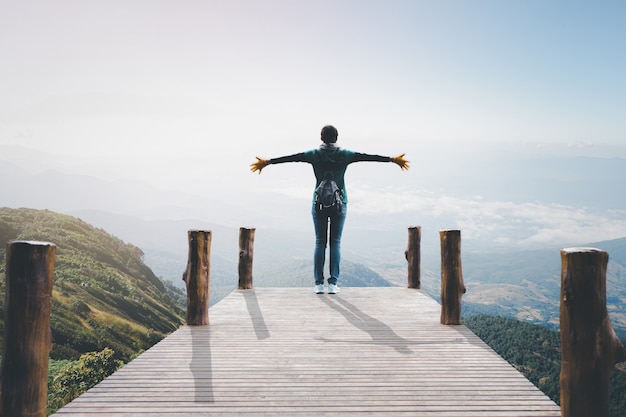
x,y
502,222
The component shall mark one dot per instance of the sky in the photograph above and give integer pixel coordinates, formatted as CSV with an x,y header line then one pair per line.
x,y
189,92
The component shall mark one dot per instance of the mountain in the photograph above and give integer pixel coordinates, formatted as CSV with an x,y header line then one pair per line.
x,y
523,284
104,295
164,243
165,246
526,284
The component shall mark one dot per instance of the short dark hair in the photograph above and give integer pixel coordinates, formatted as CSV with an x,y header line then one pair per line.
x,y
329,134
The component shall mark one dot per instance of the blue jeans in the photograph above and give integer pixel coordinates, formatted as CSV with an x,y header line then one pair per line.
x,y
321,222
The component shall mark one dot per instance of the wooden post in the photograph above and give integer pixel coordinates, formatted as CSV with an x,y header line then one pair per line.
x,y
589,346
412,255
246,252
27,336
197,277
452,286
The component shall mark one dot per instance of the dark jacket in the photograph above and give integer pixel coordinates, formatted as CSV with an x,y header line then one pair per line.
x,y
329,157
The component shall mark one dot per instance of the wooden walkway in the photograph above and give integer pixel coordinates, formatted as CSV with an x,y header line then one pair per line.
x,y
290,352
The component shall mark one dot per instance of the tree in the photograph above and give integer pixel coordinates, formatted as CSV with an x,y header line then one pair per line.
x,y
79,376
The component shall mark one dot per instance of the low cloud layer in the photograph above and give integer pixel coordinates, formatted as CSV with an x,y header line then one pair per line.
x,y
504,223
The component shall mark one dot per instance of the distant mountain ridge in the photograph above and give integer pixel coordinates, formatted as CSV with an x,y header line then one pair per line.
x,y
526,284
299,273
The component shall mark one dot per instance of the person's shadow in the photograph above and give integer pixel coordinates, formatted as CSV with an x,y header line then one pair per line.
x,y
200,365
258,322
380,333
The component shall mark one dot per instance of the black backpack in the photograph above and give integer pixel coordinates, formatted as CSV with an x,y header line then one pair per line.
x,y
328,196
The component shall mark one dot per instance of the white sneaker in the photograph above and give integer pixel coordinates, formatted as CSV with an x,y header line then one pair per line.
x,y
333,289
319,289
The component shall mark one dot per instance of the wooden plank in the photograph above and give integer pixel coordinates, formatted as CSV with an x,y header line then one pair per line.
x,y
287,351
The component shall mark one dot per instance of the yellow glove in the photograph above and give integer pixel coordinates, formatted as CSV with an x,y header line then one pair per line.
x,y
401,162
259,165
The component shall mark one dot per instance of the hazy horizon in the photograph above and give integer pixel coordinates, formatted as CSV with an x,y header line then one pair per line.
x,y
530,211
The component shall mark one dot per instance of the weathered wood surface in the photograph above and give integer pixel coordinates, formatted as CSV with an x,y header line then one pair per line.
x,y
288,351
589,346
452,286
197,277
27,338
246,257
413,257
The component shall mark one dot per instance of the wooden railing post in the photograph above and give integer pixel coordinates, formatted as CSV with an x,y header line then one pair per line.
x,y
27,335
197,277
589,346
246,255
452,286
413,257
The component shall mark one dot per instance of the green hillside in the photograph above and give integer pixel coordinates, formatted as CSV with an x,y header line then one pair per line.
x,y
536,352
104,296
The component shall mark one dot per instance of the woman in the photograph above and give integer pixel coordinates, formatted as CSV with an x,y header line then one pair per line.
x,y
329,158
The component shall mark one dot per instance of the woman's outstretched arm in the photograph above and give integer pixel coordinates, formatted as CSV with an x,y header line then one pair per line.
x,y
262,163
398,160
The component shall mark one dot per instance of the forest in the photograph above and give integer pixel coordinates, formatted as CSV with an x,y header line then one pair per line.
x,y
535,352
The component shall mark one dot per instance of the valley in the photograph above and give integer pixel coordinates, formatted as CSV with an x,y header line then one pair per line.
x,y
515,283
